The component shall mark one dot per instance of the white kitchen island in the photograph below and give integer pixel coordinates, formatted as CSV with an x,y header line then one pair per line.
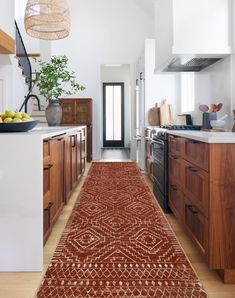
x,y
21,198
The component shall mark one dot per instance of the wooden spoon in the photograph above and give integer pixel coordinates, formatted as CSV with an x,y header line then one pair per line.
x,y
219,107
212,108
203,108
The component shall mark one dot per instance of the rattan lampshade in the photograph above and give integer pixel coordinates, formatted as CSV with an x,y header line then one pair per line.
x,y
47,19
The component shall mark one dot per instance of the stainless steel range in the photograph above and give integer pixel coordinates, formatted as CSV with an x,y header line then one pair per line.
x,y
160,164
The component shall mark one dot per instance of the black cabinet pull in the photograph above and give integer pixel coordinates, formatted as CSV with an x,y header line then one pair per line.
x,y
173,157
192,169
48,167
50,204
190,207
193,141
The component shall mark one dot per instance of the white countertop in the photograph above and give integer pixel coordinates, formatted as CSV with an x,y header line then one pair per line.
x,y
205,136
42,132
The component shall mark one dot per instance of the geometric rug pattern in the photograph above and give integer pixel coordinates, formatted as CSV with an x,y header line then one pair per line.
x,y
117,243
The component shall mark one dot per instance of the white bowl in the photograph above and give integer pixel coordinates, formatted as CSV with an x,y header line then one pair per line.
x,y
217,124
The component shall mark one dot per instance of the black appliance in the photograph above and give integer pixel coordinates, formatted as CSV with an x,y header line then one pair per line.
x,y
160,164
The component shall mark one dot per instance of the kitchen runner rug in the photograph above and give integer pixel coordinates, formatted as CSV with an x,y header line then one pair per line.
x,y
117,243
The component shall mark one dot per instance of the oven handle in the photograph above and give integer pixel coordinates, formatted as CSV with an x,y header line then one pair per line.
x,y
160,142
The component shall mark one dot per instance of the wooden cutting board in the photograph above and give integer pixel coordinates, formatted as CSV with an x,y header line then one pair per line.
x,y
166,113
154,116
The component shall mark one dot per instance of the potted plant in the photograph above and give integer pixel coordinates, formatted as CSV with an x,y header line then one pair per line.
x,y
54,79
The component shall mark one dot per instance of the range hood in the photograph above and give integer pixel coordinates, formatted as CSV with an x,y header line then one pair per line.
x,y
190,64
189,38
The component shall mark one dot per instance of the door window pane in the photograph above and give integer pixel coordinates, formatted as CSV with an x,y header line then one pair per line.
x,y
109,113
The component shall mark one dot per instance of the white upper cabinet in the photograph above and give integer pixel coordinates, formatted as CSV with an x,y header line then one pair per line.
x,y
189,29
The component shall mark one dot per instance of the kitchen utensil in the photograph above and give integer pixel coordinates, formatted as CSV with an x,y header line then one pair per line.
x,y
18,126
212,108
219,107
154,116
203,108
206,118
165,113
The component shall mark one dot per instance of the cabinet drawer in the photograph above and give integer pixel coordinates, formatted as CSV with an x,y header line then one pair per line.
x,y
196,186
176,170
176,145
176,202
197,226
197,153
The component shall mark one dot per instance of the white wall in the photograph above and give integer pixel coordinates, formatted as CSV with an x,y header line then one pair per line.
x,y
7,17
102,32
120,75
213,85
159,86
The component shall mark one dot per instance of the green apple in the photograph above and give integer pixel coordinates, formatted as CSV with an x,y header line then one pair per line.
x,y
24,115
8,120
16,120
9,113
18,115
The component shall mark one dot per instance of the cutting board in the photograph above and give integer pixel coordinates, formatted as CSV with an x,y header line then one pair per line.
x,y
166,113
154,116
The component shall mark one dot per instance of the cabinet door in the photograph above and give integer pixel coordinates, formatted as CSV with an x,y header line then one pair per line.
x,y
196,186
175,167
73,148
47,204
197,153
197,226
89,143
79,154
57,176
83,150
83,112
68,111
68,169
176,145
176,202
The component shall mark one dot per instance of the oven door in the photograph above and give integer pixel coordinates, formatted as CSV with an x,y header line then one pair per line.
x,y
160,165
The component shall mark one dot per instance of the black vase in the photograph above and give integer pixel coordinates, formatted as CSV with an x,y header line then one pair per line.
x,y
53,113
206,119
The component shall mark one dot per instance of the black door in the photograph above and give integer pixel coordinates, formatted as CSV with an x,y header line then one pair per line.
x,y
113,117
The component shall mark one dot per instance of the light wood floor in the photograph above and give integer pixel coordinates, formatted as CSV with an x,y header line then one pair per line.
x,y
24,285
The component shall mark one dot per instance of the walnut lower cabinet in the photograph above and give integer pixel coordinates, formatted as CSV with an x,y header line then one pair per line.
x,y
202,197
64,161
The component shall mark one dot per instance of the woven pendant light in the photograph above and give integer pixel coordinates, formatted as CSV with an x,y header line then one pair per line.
x,y
47,19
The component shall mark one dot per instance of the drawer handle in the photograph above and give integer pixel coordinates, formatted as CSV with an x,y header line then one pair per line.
x,y
49,207
48,167
192,169
190,207
173,157
193,141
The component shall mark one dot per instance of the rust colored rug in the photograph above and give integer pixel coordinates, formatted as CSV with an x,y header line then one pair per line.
x,y
117,243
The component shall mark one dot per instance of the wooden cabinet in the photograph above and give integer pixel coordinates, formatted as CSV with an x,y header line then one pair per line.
x,y
47,185
176,202
176,145
196,186
78,111
202,180
64,161
197,152
197,226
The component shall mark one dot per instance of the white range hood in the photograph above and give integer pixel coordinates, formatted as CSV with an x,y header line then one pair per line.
x,y
191,34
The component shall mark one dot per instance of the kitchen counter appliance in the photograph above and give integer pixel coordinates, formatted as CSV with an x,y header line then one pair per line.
x,y
160,164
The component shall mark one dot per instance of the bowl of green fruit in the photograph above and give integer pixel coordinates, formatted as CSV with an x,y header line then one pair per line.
x,y
11,121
